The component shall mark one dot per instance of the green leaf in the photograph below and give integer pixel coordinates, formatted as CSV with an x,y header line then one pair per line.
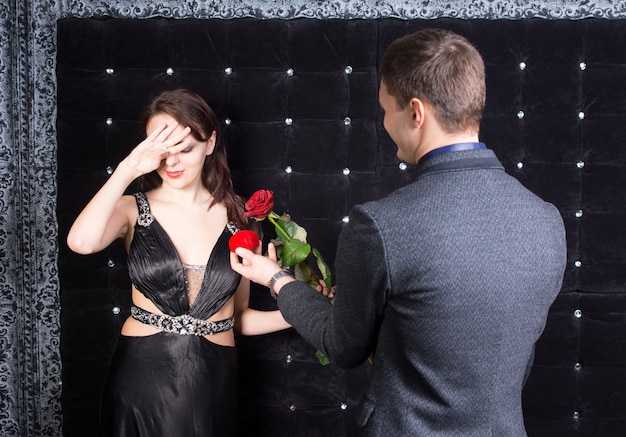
x,y
277,242
294,252
300,273
299,233
324,269
285,225
324,361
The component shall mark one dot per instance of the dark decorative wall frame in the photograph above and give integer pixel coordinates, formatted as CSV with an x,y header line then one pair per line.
x,y
581,356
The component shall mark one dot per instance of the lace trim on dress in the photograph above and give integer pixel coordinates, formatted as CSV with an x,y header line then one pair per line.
x,y
194,275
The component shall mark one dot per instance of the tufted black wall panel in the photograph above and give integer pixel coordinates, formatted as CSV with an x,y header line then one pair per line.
x,y
298,103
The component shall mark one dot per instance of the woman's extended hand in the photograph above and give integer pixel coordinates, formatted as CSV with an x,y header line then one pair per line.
x,y
163,141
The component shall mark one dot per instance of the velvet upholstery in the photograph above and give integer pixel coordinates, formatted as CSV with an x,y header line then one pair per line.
x,y
556,122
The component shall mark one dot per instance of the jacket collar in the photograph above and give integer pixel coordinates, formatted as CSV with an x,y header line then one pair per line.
x,y
458,160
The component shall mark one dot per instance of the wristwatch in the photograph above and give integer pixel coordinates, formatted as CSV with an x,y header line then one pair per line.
x,y
279,274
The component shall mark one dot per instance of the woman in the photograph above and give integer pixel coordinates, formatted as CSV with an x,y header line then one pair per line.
x,y
173,372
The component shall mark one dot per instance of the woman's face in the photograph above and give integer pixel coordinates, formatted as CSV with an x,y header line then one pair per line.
x,y
184,168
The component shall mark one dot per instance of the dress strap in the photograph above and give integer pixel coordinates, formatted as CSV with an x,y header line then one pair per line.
x,y
145,217
183,324
232,227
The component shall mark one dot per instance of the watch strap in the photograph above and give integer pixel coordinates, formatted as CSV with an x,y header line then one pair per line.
x,y
279,274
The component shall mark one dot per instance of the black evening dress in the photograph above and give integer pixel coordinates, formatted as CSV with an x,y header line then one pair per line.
x,y
169,384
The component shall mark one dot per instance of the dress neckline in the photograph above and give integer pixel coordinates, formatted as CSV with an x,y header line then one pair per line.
x,y
146,219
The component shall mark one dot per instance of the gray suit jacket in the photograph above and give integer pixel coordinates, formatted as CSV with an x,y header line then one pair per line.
x,y
447,282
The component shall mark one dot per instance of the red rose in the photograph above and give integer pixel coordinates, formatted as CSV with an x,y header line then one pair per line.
x,y
244,238
260,204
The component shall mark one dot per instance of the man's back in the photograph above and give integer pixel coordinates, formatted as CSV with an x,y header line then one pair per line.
x,y
474,261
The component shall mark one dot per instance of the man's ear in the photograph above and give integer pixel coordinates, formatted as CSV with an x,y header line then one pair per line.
x,y
211,143
418,111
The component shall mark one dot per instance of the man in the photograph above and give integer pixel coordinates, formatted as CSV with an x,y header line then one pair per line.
x,y
447,282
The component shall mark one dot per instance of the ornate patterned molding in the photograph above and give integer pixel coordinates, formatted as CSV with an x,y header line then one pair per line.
x,y
348,9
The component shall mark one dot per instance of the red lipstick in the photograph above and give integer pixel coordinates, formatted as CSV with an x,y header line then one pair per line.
x,y
174,174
